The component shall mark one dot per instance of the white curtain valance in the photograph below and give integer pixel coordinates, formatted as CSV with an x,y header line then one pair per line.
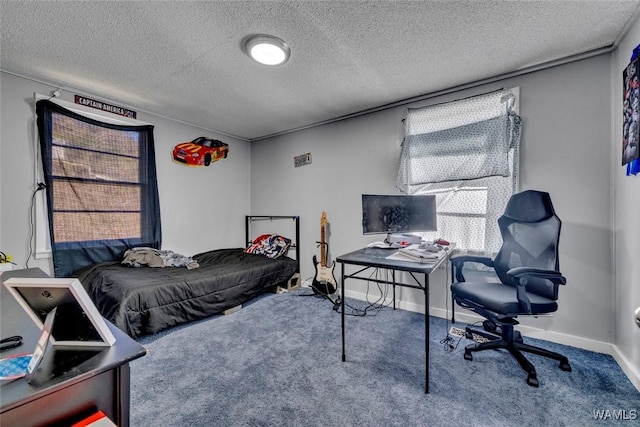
x,y
460,140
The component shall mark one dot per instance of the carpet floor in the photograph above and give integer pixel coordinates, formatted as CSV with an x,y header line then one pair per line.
x,y
277,362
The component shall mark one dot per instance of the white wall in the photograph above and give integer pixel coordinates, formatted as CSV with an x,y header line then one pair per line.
x,y
201,208
565,151
626,192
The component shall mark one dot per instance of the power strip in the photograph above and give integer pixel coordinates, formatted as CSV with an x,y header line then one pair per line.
x,y
457,332
462,333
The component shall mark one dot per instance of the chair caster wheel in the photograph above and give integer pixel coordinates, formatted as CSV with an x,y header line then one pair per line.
x,y
565,366
468,355
532,380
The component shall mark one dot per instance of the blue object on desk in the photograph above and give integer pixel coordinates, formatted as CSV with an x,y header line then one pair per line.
x,y
14,367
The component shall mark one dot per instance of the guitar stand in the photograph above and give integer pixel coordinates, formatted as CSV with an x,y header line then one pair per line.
x,y
336,303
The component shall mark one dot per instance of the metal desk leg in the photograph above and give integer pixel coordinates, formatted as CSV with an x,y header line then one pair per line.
x,y
426,333
453,302
344,356
393,279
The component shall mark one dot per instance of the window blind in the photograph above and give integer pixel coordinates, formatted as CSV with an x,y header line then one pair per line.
x,y
102,195
460,140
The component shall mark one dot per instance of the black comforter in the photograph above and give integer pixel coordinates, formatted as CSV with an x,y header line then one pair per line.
x,y
146,300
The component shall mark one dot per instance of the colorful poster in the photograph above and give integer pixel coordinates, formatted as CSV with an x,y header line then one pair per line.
x,y
631,110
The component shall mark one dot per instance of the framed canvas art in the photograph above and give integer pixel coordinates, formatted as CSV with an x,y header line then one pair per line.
x,y
77,320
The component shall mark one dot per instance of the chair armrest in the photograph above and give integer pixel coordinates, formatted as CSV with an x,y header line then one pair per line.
x,y
520,275
458,261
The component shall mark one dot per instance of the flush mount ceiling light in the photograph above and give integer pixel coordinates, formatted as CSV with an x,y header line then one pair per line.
x,y
267,50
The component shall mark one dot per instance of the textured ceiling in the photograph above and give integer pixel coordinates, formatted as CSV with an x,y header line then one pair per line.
x,y
184,59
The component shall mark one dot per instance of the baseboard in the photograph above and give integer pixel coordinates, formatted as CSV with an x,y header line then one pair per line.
x,y
584,343
627,367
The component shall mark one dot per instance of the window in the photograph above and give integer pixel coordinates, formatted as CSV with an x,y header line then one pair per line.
x,y
465,153
101,187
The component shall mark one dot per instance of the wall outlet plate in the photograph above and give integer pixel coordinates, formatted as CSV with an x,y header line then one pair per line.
x,y
302,159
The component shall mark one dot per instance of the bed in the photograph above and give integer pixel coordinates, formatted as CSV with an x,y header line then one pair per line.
x,y
145,300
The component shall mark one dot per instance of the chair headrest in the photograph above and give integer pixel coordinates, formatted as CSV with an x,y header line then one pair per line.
x,y
529,206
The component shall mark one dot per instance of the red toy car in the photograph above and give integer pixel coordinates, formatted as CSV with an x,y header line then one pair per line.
x,y
200,152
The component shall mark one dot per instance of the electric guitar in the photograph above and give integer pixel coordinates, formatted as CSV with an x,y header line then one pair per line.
x,y
324,282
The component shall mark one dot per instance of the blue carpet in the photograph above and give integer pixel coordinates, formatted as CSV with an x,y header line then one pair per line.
x,y
277,362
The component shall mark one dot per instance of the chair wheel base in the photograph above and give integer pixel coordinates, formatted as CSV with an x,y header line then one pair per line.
x,y
512,341
532,380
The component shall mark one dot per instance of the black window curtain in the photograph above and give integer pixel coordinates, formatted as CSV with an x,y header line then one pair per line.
x,y
101,186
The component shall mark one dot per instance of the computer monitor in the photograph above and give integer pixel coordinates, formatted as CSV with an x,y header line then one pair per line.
x,y
398,214
77,320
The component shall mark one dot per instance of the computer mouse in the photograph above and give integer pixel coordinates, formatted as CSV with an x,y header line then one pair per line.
x,y
441,242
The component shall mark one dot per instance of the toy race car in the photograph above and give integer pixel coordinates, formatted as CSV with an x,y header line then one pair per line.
x,y
201,151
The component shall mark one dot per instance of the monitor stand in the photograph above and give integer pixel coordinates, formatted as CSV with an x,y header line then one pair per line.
x,y
386,244
403,239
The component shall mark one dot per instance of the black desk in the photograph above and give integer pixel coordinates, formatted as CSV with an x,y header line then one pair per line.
x,y
68,383
377,258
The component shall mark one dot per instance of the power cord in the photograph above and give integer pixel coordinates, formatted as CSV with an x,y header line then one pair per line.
x,y
10,342
5,259
448,341
372,307
32,226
